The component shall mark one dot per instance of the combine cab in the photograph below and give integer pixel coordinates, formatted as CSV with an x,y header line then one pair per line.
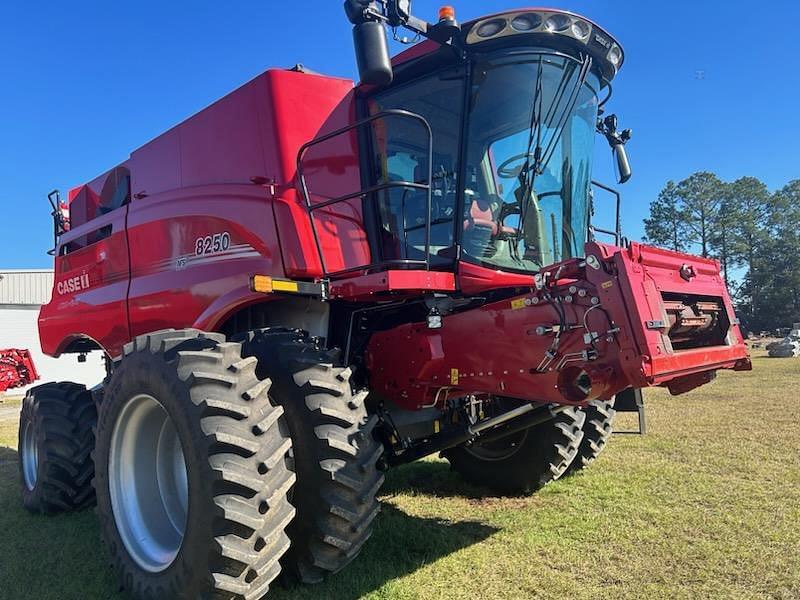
x,y
310,282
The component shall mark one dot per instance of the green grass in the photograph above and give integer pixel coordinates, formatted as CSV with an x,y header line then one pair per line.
x,y
707,505
10,400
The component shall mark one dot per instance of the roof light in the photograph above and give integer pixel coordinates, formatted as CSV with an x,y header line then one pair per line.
x,y
557,22
580,29
527,22
615,55
491,28
551,28
447,13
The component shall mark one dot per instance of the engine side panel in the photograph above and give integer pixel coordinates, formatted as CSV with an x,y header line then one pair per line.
x,y
193,252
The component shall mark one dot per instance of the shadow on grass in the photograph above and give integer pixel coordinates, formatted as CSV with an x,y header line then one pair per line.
x,y
431,478
400,545
61,557
48,557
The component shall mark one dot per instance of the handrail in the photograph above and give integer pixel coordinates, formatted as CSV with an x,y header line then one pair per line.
x,y
370,192
617,233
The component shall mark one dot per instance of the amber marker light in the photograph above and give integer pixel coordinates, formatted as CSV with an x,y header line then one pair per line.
x,y
261,283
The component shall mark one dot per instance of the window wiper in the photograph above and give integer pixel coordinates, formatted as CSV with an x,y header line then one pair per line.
x,y
541,157
528,172
586,65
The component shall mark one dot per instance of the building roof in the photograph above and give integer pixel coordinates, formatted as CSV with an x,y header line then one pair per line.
x,y
30,287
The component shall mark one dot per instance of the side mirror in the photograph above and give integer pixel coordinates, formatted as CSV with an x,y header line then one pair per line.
x,y
617,140
370,41
623,165
372,53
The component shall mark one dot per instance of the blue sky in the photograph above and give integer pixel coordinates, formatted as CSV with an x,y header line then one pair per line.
x,y
706,86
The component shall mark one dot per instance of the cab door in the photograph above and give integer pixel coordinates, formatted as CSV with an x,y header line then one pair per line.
x,y
92,271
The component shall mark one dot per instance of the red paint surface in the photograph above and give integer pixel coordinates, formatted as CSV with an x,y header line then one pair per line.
x,y
193,181
494,349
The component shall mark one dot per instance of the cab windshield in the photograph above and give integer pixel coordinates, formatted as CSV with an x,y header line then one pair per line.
x,y
515,197
530,138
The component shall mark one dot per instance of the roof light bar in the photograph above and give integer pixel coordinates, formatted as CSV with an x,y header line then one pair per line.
x,y
558,25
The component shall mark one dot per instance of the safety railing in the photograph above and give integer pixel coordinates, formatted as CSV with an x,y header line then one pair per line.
x,y
371,193
617,233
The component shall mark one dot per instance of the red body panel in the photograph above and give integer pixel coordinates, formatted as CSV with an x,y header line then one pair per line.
x,y
372,287
198,283
496,349
230,169
91,286
645,274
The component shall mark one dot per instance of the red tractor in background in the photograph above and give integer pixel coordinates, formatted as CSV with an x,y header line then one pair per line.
x,y
16,369
309,282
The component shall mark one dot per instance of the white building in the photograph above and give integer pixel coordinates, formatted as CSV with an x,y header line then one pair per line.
x,y
22,293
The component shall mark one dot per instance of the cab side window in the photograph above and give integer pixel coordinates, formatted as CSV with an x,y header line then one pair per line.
x,y
401,154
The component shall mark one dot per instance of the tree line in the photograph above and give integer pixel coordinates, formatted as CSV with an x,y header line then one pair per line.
x,y
754,233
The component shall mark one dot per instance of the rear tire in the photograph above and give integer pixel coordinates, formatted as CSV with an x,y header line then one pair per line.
x,y
187,426
335,454
597,430
56,440
523,462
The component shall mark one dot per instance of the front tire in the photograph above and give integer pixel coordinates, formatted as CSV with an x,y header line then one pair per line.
x,y
56,440
597,429
192,474
523,462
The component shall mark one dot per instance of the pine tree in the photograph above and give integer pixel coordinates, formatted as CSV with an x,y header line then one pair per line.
x,y
776,276
701,195
666,226
748,204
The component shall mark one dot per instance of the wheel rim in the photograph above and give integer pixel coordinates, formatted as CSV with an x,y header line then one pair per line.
x,y
148,483
30,456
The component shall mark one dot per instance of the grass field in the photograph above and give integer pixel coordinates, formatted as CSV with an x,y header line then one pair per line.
x,y
707,505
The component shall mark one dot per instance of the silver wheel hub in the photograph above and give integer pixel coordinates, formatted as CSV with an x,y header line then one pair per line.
x,y
148,483
30,456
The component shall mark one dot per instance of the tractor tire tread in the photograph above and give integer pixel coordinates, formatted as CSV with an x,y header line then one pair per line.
x,y
544,454
64,417
597,429
247,511
335,451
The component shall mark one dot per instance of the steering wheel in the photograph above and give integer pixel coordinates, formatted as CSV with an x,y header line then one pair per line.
x,y
507,172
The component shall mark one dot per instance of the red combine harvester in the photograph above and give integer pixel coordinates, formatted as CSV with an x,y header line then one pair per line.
x,y
309,282
16,369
